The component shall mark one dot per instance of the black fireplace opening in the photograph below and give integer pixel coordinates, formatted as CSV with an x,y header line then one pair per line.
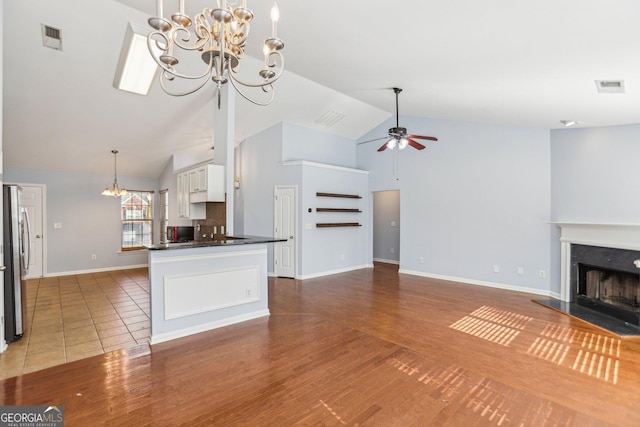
x,y
609,291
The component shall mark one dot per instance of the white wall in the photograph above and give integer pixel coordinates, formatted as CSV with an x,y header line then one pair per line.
x,y
386,235
90,222
478,197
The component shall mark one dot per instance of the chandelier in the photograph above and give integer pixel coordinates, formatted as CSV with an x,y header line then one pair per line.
x,y
219,35
115,190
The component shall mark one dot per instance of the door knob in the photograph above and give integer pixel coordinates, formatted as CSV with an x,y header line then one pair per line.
x,y
291,237
37,236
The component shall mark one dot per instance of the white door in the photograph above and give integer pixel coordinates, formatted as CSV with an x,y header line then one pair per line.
x,y
32,197
284,228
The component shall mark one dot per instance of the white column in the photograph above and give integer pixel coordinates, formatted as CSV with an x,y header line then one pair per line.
x,y
224,142
565,271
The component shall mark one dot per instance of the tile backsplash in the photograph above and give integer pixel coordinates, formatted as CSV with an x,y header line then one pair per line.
x,y
215,224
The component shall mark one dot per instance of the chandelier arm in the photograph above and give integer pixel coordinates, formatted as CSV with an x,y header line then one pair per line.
x,y
197,45
262,104
169,69
268,82
162,79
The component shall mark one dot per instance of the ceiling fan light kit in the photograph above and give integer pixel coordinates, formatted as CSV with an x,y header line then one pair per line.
x,y
398,136
218,35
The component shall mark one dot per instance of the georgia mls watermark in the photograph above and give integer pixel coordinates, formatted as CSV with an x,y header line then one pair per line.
x,y
31,416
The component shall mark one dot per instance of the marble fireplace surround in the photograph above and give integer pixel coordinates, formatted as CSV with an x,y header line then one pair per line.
x,y
608,235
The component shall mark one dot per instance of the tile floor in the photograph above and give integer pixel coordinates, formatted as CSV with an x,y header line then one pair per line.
x,y
73,317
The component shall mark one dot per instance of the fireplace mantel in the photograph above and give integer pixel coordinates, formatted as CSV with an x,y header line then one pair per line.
x,y
608,235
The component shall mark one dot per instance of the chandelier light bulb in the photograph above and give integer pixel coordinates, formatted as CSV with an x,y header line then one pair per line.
x,y
275,16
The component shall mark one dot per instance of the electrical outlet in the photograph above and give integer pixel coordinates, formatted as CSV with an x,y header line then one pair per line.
x,y
248,292
520,271
93,257
496,269
541,274
421,260
393,250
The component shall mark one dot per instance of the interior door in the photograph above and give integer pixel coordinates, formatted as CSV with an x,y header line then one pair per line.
x,y
32,196
285,228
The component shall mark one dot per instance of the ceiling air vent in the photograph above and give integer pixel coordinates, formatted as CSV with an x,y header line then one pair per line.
x,y
610,86
329,118
51,37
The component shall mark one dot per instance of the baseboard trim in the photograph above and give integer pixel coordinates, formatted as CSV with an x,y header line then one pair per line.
x,y
387,261
478,283
96,270
156,339
338,271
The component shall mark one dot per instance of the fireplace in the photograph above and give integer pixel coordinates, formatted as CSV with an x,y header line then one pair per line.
x,y
599,275
607,280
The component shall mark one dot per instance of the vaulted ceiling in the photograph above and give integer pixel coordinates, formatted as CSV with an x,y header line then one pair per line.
x,y
503,62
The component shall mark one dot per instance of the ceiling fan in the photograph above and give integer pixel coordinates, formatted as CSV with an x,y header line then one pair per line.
x,y
398,135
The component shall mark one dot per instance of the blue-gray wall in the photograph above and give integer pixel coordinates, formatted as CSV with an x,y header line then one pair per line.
x,y
319,251
90,222
478,197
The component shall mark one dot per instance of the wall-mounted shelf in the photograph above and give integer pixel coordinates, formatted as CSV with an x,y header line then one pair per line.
x,y
348,210
337,210
344,196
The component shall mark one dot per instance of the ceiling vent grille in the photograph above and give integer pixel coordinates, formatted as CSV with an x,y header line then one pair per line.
x,y
51,37
329,118
610,86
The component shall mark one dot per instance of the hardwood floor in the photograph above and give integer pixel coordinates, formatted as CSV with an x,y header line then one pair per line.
x,y
369,347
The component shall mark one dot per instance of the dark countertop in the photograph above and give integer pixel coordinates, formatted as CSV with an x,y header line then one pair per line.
x,y
227,241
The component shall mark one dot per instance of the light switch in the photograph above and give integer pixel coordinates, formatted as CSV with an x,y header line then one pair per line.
x,y
393,223
57,225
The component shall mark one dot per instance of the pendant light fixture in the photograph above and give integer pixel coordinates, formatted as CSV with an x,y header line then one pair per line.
x,y
115,190
218,35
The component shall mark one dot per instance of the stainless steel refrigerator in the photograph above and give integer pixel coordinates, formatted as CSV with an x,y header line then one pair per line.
x,y
17,252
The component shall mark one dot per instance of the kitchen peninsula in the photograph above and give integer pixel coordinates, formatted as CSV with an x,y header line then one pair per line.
x,y
202,285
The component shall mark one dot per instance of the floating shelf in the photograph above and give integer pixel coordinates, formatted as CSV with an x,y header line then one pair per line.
x,y
337,210
338,224
344,196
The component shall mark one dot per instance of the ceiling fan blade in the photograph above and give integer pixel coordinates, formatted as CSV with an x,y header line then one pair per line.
x,y
371,140
430,138
384,147
416,144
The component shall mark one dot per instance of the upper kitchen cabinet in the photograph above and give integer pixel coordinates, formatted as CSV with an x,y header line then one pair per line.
x,y
183,195
206,184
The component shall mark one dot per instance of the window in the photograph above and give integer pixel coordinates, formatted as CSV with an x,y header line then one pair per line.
x,y
137,219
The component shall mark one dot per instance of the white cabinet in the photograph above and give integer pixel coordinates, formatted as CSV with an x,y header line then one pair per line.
x,y
183,195
198,179
206,184
196,186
